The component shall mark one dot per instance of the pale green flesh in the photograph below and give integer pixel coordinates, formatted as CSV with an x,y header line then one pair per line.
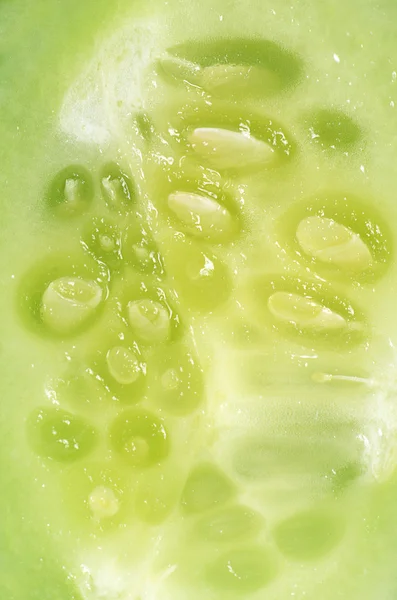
x,y
294,423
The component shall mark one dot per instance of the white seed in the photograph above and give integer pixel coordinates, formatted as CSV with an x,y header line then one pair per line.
x,y
150,320
123,365
227,149
333,243
238,79
72,191
304,312
202,216
68,302
115,192
103,502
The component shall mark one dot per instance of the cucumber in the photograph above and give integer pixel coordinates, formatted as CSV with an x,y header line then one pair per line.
x,y
198,280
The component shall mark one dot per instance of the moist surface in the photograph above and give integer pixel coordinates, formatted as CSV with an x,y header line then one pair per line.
x,y
198,274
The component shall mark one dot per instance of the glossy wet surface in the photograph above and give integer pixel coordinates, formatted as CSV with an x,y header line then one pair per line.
x,y
200,359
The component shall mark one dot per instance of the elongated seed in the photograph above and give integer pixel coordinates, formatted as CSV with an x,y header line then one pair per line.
x,y
178,69
333,243
232,80
202,216
304,312
72,192
226,149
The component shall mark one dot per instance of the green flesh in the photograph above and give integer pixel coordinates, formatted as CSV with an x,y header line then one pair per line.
x,y
223,444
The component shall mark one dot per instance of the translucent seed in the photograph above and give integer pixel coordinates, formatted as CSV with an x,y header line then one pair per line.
x,y
345,476
309,535
137,449
118,191
236,51
333,129
158,492
202,216
140,251
107,243
83,389
229,524
226,149
244,570
60,435
145,126
95,493
239,80
202,279
140,438
170,380
304,312
103,240
333,243
123,365
149,320
179,70
206,487
103,502
178,382
71,191
68,302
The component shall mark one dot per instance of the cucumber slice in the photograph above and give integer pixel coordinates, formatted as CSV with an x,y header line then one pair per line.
x,y
197,399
